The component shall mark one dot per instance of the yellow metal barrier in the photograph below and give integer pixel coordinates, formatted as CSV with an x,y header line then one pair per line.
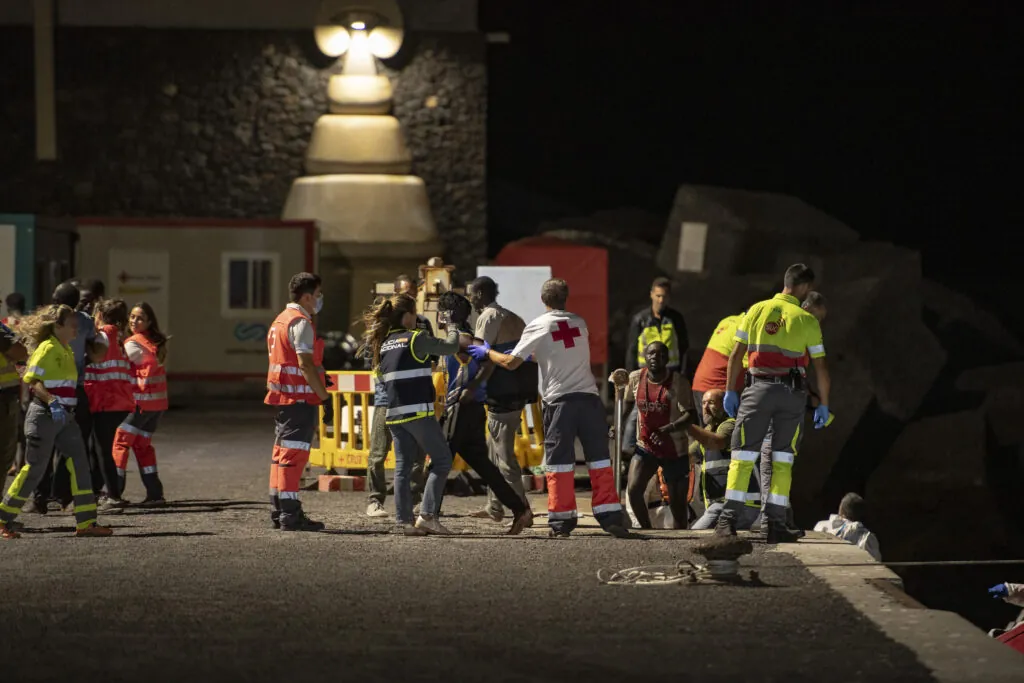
x,y
346,444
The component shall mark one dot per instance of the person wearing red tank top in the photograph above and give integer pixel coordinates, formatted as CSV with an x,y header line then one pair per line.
x,y
110,386
664,404
146,350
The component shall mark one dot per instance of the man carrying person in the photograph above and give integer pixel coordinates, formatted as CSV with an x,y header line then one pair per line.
x,y
781,337
464,419
572,409
380,435
502,329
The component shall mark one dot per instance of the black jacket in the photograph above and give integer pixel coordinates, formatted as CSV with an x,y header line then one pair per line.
x,y
644,319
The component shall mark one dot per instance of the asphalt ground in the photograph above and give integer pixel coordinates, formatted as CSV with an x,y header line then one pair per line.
x,y
205,590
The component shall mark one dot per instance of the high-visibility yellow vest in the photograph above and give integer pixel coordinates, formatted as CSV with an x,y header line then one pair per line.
x,y
8,373
720,468
53,364
666,334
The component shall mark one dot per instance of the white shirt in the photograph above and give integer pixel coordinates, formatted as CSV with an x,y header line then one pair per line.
x,y
300,332
851,532
560,343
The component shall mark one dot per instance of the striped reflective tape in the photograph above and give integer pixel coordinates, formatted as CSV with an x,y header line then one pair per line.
x,y
294,445
409,409
407,374
599,464
560,468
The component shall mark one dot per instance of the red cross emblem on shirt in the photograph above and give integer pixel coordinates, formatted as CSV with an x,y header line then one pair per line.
x,y
565,334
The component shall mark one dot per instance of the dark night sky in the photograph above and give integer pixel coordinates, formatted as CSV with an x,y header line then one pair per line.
x,y
899,125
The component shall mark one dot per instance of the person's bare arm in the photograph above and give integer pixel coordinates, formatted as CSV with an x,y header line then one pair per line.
x,y
823,380
309,372
735,364
504,360
710,440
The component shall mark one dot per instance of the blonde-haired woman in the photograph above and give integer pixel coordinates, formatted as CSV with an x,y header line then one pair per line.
x,y
401,357
52,376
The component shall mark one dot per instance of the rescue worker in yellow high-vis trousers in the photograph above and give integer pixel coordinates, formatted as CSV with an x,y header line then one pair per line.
x,y
53,376
779,337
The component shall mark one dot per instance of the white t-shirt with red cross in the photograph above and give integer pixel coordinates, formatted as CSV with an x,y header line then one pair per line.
x,y
560,344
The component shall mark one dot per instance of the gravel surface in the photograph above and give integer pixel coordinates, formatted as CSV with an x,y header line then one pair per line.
x,y
205,590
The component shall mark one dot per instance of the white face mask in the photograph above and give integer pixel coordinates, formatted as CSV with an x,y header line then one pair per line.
x,y
318,304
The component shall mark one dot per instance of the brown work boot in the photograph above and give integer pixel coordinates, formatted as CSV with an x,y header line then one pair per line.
x,y
8,534
521,522
94,530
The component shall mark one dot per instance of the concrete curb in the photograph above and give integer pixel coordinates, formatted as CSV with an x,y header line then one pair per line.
x,y
952,648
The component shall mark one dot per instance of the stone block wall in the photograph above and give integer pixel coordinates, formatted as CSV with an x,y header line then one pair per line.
x,y
216,124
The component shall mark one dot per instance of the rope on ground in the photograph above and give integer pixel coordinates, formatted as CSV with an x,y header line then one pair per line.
x,y
685,571
682,571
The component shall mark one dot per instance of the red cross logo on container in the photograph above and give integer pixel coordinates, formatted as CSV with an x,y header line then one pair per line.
x,y
565,334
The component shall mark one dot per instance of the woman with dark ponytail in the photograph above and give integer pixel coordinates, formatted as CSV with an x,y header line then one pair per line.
x,y
401,358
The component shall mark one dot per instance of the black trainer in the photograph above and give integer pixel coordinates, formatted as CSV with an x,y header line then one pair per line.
x,y
778,532
275,519
304,524
618,531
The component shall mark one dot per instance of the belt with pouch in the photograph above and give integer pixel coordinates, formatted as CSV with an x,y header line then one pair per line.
x,y
792,379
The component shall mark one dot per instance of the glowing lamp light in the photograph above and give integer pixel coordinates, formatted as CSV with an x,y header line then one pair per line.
x,y
339,22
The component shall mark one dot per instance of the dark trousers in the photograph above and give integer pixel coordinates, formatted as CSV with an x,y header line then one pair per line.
x,y
105,426
469,440
56,483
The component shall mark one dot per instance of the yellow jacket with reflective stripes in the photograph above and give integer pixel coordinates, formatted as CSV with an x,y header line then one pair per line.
x,y
780,336
53,364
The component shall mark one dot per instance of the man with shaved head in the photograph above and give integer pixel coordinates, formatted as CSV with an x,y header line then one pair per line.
x,y
712,450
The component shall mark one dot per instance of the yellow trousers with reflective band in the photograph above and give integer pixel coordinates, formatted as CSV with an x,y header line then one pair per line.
x,y
41,435
764,405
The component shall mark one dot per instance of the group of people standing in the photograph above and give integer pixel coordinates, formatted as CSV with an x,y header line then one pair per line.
x,y
490,373
763,355
83,380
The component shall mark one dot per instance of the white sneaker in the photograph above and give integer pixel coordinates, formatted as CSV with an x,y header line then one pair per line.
x,y
431,525
375,509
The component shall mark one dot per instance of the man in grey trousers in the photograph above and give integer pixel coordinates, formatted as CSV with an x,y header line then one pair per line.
x,y
501,328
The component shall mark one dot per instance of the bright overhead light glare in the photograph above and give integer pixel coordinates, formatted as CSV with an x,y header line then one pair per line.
x,y
359,25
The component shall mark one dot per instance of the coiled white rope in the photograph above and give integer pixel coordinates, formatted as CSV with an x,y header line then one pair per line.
x,y
683,571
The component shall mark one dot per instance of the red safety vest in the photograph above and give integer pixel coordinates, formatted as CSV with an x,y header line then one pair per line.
x,y
654,407
150,377
110,384
285,383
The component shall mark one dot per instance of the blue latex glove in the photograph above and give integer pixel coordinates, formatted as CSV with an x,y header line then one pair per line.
x,y
821,417
1000,591
479,352
731,403
58,414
